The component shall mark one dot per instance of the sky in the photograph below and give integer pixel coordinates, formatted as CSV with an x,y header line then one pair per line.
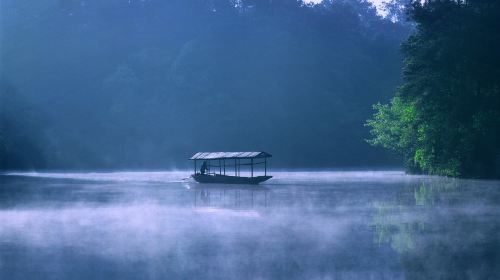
x,y
377,3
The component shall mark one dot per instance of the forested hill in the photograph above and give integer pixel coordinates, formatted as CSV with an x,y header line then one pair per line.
x,y
143,84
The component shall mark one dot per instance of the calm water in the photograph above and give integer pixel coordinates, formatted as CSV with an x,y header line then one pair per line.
x,y
300,225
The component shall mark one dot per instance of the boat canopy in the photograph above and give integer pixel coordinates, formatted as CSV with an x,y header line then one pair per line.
x,y
229,155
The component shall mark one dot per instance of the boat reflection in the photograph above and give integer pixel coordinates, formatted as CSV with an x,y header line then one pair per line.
x,y
238,197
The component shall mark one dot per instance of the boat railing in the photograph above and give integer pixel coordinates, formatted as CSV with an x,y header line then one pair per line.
x,y
231,165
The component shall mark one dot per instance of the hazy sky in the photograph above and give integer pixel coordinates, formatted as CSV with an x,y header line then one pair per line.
x,y
378,3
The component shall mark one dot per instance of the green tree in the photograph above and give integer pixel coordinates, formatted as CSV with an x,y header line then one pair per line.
x,y
445,117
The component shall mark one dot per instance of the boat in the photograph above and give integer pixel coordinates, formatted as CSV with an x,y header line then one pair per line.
x,y
226,167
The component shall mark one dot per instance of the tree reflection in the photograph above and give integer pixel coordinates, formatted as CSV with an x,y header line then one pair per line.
x,y
449,230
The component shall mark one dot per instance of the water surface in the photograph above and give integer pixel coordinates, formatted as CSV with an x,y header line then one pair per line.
x,y
298,225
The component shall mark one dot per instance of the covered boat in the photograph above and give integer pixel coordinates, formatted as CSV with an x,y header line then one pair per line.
x,y
226,167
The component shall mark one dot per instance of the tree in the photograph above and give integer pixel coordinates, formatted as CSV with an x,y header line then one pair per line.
x,y
20,135
451,86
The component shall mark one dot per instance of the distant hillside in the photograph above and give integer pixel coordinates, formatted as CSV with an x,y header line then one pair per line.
x,y
143,84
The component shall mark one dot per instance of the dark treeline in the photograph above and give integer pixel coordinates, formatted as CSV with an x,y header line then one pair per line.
x,y
143,84
445,118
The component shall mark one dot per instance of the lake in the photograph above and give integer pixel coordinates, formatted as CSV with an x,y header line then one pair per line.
x,y
298,225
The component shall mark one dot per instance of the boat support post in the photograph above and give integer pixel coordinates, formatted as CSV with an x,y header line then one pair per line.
x,y
251,167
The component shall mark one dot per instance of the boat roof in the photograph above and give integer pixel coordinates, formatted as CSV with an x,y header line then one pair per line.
x,y
229,155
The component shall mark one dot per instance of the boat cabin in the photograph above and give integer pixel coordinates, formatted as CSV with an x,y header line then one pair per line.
x,y
226,167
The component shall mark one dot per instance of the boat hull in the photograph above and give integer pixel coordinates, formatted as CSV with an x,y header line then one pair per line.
x,y
224,179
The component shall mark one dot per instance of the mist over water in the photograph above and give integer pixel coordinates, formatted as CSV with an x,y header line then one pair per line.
x,y
299,225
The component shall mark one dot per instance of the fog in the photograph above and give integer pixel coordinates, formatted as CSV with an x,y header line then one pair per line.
x,y
299,225
102,103
92,85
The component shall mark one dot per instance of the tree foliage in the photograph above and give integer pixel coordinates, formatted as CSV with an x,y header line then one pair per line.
x,y
445,118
